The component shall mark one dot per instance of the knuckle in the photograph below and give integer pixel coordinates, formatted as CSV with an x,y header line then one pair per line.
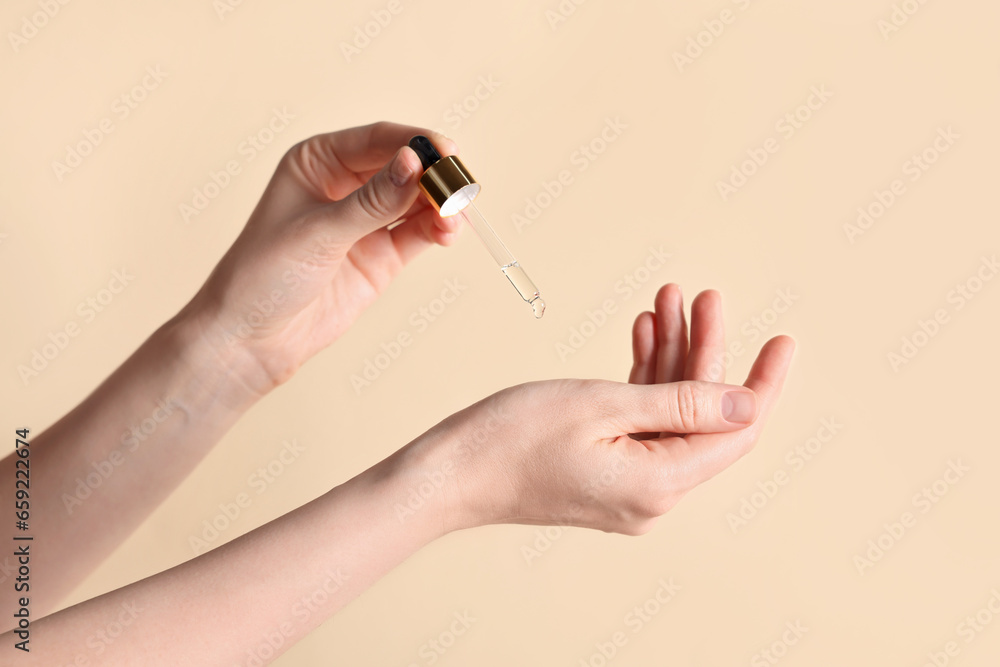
x,y
687,411
657,505
294,151
303,153
666,503
639,527
309,162
372,200
645,509
668,498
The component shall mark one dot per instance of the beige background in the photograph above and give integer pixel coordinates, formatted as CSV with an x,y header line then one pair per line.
x,y
654,186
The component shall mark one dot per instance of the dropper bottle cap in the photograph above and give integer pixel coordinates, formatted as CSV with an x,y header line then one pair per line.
x,y
446,182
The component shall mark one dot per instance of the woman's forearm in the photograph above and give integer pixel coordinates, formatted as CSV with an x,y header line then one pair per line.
x,y
250,599
98,472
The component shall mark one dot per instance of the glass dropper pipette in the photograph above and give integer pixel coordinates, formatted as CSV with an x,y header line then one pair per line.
x,y
452,189
515,274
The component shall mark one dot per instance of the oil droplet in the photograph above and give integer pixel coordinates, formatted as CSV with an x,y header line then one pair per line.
x,y
538,307
522,283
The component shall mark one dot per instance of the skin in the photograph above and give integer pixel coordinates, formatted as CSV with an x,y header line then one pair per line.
x,y
318,249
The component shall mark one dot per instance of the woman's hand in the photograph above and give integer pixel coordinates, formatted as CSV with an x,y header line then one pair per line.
x,y
560,452
316,252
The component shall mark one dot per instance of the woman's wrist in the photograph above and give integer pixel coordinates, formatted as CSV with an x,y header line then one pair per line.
x,y
208,366
425,484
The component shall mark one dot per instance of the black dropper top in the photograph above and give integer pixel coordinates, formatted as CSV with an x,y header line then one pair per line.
x,y
423,147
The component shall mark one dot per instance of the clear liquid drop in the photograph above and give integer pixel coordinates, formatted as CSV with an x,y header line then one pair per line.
x,y
522,283
538,307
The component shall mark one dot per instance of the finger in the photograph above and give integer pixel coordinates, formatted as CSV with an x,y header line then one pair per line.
x,y
330,166
369,147
417,233
702,456
419,205
682,407
643,357
383,199
643,350
769,370
671,334
708,342
448,226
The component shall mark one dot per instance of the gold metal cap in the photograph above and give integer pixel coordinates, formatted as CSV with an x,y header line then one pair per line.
x,y
449,185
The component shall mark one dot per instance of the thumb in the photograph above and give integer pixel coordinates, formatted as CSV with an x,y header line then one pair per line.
x,y
383,199
687,407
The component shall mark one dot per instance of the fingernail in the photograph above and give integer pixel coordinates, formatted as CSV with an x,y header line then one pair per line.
x,y
446,137
401,171
739,407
